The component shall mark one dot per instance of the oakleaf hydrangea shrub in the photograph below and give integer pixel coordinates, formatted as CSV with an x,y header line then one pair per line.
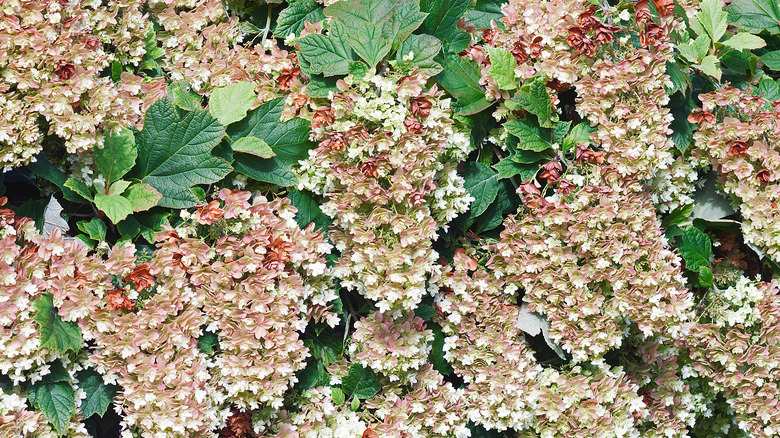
x,y
373,218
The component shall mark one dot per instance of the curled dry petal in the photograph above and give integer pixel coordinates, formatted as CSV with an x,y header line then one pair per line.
x,y
652,35
580,41
209,213
420,107
413,125
738,148
664,7
763,176
369,167
698,116
116,299
141,277
287,76
642,12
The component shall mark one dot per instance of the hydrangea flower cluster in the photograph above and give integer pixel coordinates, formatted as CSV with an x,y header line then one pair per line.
x,y
52,57
593,262
255,282
739,135
395,348
386,164
734,349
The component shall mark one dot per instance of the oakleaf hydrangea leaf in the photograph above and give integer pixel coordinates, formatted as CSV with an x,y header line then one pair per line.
x,y
55,333
253,146
360,382
423,49
229,104
99,394
57,401
115,206
535,99
482,183
502,68
117,156
175,154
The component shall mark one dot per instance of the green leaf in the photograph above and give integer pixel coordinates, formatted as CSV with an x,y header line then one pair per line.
x,y
523,156
769,89
116,207
99,394
95,229
680,81
681,106
352,13
313,375
320,87
43,168
338,396
713,19
308,210
405,18
207,342
696,248
507,168
371,43
482,183
436,356
755,16
142,196
116,71
484,11
530,136
772,60
79,187
358,69
502,68
117,156
711,66
56,334
57,401
57,373
180,94
288,140
145,224
174,154
442,21
293,19
744,41
355,404
118,187
360,382
460,78
253,146
327,346
327,55
424,49
535,99
229,104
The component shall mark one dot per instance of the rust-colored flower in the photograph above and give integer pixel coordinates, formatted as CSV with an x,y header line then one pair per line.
x,y
738,148
323,116
519,52
565,187
580,41
91,42
664,7
369,167
335,141
116,299
536,48
369,433
698,116
420,107
642,12
299,101
585,154
652,35
471,262
588,20
287,76
167,235
64,70
141,277
207,214
763,176
489,35
239,425
557,85
551,171
528,188
603,33
413,125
